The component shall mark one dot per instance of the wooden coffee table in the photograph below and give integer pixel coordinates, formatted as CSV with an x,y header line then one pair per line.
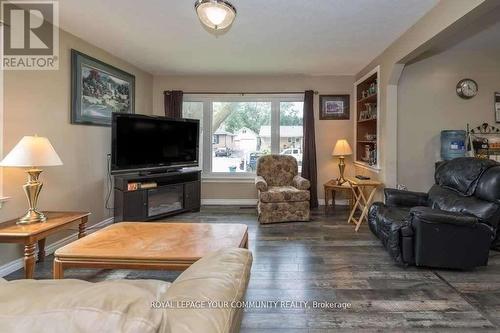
x,y
147,245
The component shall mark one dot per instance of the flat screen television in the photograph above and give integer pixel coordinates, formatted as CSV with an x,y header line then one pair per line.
x,y
143,143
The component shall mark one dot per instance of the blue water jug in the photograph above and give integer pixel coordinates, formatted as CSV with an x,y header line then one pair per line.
x,y
452,144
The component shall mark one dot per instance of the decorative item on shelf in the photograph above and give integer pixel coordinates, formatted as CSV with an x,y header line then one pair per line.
x,y
341,150
497,107
370,112
484,141
480,147
372,109
370,137
98,90
370,154
373,157
367,107
216,15
484,128
32,152
494,143
133,186
148,185
371,91
334,107
366,157
363,115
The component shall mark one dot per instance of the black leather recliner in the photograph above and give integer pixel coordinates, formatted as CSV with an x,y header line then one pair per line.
x,y
454,225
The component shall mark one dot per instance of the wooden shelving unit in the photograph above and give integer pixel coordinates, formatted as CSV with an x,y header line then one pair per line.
x,y
366,120
367,125
369,99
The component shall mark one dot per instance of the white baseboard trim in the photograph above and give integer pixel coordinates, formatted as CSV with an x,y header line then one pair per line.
x,y
342,202
229,202
10,267
16,264
253,202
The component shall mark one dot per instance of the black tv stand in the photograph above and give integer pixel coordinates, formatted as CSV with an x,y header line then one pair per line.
x,y
145,197
157,172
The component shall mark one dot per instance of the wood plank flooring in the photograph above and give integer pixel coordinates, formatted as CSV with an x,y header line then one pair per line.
x,y
325,260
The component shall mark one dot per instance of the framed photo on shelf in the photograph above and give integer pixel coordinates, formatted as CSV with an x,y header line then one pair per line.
x,y
97,90
334,107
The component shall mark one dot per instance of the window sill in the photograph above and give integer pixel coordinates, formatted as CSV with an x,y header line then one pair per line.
x,y
364,165
228,179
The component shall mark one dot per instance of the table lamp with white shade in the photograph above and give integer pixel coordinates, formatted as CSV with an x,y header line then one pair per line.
x,y
341,150
32,152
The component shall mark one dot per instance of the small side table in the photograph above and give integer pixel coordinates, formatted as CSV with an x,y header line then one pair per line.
x,y
331,187
31,234
358,188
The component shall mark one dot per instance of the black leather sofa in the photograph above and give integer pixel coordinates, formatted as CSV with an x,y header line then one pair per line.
x,y
454,225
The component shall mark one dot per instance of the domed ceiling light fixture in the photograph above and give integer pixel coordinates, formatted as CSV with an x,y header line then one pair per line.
x,y
215,14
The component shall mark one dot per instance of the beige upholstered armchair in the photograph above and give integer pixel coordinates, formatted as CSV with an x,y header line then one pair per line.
x,y
283,194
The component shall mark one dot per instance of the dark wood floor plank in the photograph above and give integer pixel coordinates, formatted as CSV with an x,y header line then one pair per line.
x,y
325,260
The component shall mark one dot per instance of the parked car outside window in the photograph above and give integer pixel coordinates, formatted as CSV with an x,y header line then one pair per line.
x,y
295,152
222,152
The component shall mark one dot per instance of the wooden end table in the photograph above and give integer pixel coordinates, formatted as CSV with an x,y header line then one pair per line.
x,y
148,245
331,187
31,234
358,187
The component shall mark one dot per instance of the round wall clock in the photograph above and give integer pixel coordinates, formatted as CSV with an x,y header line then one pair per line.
x,y
467,88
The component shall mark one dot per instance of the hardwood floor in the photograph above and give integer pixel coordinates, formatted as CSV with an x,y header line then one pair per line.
x,y
325,260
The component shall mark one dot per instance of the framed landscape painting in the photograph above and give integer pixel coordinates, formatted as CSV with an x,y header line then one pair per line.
x,y
98,90
334,107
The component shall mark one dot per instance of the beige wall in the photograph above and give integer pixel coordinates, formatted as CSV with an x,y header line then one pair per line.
x,y
428,103
38,102
445,19
327,131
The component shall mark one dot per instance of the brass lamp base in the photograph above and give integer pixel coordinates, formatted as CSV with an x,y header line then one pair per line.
x,y
32,190
32,216
341,179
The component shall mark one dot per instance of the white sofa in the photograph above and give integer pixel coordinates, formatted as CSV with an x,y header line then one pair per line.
x,y
129,305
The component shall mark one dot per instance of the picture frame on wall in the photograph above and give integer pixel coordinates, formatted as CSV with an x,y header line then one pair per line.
x,y
497,107
334,107
98,90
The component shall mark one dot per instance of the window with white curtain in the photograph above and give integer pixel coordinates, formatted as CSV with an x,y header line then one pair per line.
x,y
237,129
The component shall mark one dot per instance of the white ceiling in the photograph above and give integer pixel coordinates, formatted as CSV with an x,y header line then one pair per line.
x,y
316,37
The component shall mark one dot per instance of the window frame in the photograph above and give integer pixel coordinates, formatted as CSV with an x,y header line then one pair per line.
x,y
3,198
208,99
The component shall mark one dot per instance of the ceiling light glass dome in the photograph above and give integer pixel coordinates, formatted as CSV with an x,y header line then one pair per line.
x,y
215,14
